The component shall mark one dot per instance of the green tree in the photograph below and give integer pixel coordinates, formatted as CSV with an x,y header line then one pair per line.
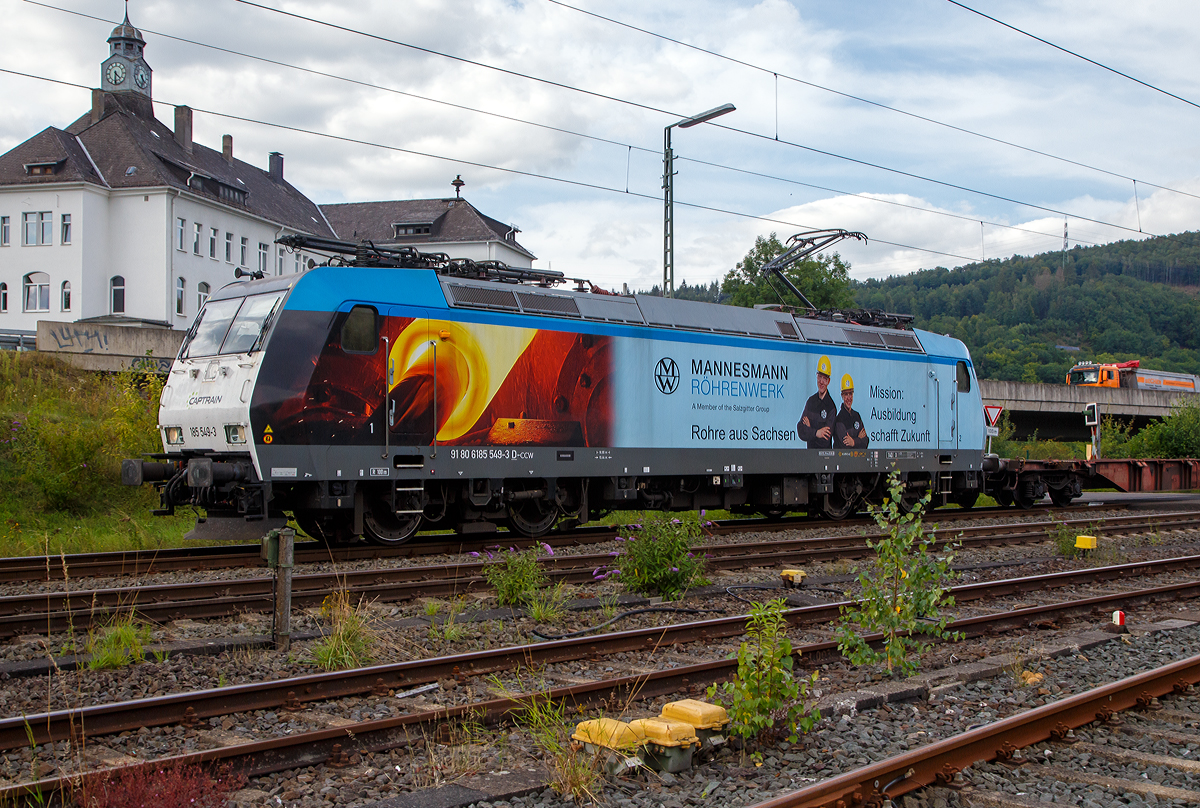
x,y
823,279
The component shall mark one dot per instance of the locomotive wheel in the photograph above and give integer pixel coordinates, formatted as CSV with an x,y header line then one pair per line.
x,y
1060,497
836,507
965,499
1023,502
382,527
1003,497
532,518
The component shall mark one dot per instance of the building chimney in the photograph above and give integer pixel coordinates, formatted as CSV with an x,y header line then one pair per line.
x,y
275,166
227,148
183,127
97,105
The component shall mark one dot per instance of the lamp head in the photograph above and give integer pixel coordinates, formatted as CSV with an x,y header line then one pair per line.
x,y
715,112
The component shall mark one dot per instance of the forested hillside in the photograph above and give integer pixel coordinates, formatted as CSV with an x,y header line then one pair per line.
x,y
1127,300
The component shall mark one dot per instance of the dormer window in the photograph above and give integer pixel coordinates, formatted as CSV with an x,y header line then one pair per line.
x,y
35,169
410,229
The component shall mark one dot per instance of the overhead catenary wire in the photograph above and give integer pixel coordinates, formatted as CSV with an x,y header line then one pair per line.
x,y
675,114
1101,65
860,99
629,147
488,166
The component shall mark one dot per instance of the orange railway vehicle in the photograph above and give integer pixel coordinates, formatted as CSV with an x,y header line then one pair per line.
x,y
1129,374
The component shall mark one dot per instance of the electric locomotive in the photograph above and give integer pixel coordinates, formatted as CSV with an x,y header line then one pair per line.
x,y
389,389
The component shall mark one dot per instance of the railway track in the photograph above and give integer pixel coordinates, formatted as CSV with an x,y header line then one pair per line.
x,y
141,562
294,692
62,611
337,746
1003,741
333,746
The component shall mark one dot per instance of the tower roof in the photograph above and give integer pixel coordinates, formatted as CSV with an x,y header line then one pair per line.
x,y
126,31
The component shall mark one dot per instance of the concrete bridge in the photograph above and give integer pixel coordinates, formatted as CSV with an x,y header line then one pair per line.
x,y
1055,411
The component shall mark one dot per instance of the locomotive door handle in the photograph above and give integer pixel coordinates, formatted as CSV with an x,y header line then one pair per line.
x,y
389,369
435,419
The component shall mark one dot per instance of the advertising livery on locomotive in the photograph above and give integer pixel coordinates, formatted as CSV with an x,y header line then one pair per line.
x,y
392,389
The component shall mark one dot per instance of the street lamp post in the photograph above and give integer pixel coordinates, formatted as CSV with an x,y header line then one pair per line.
x,y
669,192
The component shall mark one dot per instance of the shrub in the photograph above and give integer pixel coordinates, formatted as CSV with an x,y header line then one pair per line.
x,y
153,786
764,691
350,642
517,576
902,597
659,559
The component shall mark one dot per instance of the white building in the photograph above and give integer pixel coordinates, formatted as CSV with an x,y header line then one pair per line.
x,y
120,219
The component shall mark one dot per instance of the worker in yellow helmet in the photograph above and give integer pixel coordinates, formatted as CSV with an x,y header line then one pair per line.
x,y
820,412
849,428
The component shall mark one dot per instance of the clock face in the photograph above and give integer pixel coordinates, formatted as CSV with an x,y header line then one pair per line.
x,y
141,76
116,73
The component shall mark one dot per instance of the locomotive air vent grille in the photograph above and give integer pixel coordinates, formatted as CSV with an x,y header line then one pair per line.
x,y
550,304
486,298
787,329
905,342
863,338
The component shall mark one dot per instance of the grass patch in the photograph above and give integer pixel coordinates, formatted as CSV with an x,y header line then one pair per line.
x,y
119,644
549,605
350,642
65,432
573,772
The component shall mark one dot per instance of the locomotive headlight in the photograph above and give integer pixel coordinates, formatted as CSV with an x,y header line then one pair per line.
x,y
235,433
174,435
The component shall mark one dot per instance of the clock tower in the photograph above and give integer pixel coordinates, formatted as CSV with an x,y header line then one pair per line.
x,y
125,70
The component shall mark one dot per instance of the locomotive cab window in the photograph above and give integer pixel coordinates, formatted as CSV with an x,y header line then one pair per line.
x,y
963,376
360,331
236,325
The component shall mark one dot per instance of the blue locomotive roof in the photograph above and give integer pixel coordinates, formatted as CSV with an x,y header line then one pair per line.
x,y
330,288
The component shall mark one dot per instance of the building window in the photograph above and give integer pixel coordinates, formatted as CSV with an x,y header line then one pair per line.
x,y
116,286
37,291
297,262
66,295
202,292
65,236
38,228
279,263
180,228
212,243
229,248
4,231
3,297
245,249
180,291
263,250
196,228
406,229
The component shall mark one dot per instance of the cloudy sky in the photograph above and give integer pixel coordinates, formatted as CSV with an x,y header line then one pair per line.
x,y
554,116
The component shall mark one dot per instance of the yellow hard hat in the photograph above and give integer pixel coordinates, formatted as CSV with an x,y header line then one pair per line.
x,y
847,383
823,366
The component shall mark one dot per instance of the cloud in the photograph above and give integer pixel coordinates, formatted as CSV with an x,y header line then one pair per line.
x,y
932,59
